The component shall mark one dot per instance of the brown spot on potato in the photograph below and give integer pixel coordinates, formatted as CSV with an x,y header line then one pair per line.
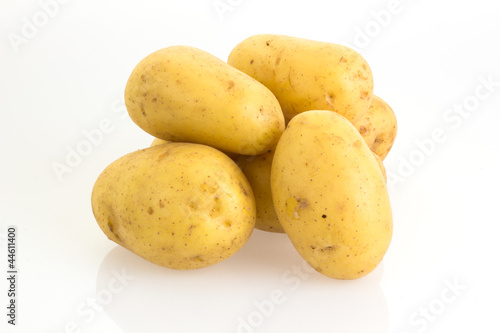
x,y
330,99
243,189
113,230
230,85
277,61
251,61
150,210
161,204
330,248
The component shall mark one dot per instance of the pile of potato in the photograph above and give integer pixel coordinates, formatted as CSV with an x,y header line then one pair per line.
x,y
286,136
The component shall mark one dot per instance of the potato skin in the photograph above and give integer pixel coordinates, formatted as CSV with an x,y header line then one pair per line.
x,y
178,205
184,94
157,142
257,169
378,127
307,75
330,195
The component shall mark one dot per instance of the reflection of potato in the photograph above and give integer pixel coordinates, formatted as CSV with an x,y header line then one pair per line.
x,y
307,75
330,195
257,169
178,205
378,127
181,93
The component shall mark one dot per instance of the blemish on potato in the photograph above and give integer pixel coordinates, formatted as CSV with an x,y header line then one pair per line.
x,y
243,189
330,99
161,204
150,210
329,248
197,259
364,94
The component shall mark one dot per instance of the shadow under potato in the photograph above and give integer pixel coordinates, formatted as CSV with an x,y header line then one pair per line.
x,y
265,287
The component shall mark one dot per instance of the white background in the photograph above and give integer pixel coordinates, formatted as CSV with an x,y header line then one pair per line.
x,y
66,77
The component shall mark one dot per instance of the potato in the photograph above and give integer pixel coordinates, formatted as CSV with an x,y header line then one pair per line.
x,y
257,169
181,93
330,195
178,205
378,127
307,75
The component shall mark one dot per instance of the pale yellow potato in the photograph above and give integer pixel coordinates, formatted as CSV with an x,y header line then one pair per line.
x,y
157,142
307,75
178,205
184,94
378,127
257,169
330,195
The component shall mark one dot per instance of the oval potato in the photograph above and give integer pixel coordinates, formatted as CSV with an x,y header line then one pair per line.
x,y
181,93
307,75
330,195
178,205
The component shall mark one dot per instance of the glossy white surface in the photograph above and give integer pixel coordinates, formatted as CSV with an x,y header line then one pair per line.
x,y
64,66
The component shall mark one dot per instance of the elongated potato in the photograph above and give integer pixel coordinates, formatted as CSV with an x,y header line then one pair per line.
x,y
330,195
378,127
181,93
177,205
307,75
